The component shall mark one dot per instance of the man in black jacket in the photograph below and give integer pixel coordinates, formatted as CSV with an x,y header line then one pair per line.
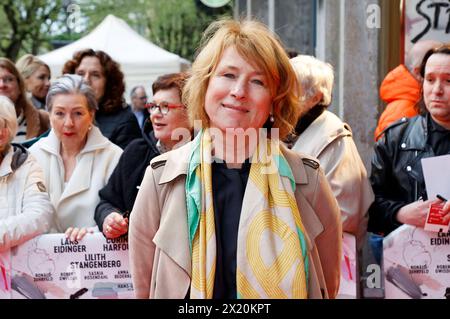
x,y
397,177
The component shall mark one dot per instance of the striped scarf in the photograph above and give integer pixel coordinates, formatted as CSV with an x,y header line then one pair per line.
x,y
271,256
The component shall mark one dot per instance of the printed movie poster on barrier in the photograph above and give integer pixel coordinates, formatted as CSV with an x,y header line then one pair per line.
x,y
50,266
5,278
416,264
347,287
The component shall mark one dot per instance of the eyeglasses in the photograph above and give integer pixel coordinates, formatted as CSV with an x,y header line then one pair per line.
x,y
143,98
163,107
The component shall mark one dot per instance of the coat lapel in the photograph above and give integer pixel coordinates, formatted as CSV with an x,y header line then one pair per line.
x,y
172,236
310,219
82,174
82,177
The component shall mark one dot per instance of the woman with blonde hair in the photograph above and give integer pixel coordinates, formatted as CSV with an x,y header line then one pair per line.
x,y
36,74
25,208
234,213
31,122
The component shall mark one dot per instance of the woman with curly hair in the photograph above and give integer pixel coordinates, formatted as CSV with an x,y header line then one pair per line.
x,y
103,74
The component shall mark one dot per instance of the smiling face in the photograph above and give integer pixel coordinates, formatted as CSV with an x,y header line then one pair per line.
x,y
436,88
238,94
164,125
70,118
38,83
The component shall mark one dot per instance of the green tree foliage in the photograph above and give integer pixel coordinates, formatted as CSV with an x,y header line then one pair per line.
x,y
25,25
177,25
29,26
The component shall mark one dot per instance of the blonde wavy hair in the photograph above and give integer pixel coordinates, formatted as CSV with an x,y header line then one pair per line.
x,y
257,45
28,64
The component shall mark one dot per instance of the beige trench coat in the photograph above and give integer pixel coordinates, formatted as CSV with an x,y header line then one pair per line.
x,y
160,259
330,141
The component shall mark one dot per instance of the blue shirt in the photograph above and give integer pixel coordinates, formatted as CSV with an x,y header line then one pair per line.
x,y
140,118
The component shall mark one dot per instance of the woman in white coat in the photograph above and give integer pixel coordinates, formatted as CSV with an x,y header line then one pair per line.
x,y
77,159
25,208
322,134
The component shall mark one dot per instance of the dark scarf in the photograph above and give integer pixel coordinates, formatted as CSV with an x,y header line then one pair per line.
x,y
304,122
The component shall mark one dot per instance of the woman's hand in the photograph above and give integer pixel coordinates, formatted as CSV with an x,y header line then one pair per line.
x,y
115,225
75,233
415,213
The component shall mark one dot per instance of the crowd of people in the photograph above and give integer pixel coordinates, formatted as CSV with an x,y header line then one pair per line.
x,y
233,180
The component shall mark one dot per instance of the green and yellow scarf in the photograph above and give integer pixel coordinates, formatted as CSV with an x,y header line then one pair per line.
x,y
272,259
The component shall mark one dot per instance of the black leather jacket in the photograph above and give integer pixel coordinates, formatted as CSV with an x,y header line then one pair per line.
x,y
397,177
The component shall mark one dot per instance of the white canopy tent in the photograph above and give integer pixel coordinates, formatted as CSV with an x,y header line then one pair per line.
x,y
141,61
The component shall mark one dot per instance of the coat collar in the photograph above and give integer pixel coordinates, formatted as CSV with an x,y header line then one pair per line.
x,y
415,137
322,132
176,163
95,141
85,161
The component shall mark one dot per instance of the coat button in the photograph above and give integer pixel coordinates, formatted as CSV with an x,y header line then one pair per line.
x,y
408,168
403,145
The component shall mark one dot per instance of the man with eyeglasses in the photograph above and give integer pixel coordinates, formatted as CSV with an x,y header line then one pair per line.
x,y
138,100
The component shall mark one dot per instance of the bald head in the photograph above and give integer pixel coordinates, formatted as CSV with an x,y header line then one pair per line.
x,y
416,54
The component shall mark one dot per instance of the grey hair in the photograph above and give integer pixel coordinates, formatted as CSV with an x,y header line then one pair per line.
x,y
71,84
8,116
133,90
314,76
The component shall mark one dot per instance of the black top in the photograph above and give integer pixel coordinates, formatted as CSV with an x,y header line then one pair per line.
x,y
228,194
121,190
120,127
305,120
439,137
303,123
